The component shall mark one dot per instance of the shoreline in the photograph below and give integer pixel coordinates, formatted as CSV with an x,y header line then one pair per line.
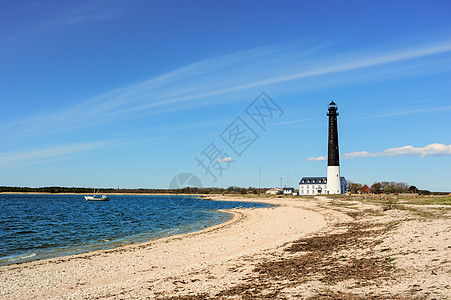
x,y
227,216
79,250
305,248
234,217
92,270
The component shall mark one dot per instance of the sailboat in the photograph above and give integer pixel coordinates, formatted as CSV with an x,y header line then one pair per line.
x,y
94,198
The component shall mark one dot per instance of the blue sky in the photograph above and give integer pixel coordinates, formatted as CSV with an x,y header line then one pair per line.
x,y
108,94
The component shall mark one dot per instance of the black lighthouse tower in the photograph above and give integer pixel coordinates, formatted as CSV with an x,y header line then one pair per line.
x,y
333,163
332,153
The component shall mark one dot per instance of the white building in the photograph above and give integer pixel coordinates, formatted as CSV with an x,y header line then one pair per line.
x,y
288,191
275,191
318,185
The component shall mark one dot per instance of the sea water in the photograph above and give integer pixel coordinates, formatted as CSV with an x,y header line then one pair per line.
x,y
36,226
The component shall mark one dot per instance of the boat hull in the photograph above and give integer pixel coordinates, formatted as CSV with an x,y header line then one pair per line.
x,y
91,198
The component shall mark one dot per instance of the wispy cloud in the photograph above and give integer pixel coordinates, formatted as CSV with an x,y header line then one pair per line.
x,y
223,79
401,113
432,149
65,18
226,159
435,149
319,158
51,153
292,122
87,14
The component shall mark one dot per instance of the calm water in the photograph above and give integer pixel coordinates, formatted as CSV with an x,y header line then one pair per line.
x,y
43,226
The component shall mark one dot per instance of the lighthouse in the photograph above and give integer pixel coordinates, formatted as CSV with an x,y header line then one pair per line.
x,y
333,183
333,164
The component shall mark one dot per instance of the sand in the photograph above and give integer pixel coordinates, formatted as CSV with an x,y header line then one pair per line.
x,y
315,247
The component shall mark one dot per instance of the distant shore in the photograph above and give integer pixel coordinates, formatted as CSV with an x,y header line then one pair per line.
x,y
304,247
119,194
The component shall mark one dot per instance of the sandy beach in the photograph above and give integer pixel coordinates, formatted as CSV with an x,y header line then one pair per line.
x,y
303,248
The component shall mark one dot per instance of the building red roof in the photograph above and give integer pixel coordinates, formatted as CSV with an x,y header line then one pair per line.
x,y
365,190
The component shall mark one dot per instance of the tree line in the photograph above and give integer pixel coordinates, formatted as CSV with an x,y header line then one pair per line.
x,y
388,187
185,190
383,187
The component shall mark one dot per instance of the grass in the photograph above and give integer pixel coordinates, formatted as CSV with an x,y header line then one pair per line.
x,y
424,214
403,198
392,225
411,203
389,204
378,242
344,204
427,200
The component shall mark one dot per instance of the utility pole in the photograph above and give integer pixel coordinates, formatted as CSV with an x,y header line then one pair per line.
x,y
288,179
259,177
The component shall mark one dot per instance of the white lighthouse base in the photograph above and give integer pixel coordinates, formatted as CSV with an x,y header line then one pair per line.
x,y
333,180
